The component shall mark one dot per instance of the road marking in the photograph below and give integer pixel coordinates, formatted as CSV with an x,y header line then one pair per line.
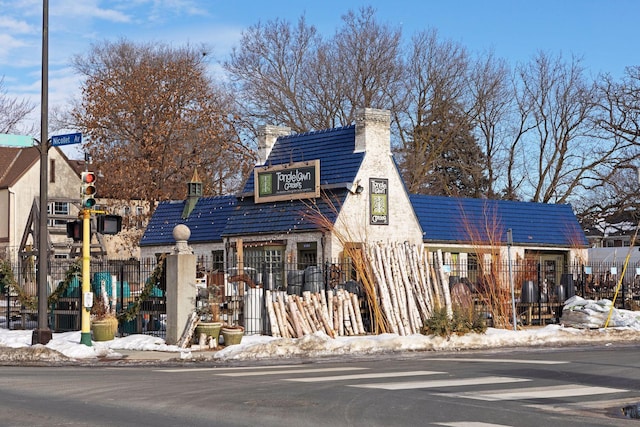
x,y
568,390
470,424
522,361
408,385
224,369
289,371
364,376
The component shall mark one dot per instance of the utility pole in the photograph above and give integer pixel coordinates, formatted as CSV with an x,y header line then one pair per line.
x,y
87,295
42,334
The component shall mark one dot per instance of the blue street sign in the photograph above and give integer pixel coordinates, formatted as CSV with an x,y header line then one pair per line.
x,y
68,139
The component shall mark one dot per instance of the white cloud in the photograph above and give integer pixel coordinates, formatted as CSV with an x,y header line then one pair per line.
x,y
14,26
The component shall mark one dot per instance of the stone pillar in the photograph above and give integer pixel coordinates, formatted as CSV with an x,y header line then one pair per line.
x,y
181,285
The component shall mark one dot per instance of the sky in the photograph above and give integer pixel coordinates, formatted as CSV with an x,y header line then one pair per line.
x,y
601,32
581,323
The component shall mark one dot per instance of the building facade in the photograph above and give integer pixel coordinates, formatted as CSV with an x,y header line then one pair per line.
x,y
312,195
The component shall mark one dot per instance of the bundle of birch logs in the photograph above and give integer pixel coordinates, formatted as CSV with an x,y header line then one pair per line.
x,y
336,313
409,284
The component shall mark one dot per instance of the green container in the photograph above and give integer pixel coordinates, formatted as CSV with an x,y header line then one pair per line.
x,y
232,335
104,329
211,329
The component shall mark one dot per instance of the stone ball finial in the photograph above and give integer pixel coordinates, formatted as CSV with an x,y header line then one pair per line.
x,y
181,232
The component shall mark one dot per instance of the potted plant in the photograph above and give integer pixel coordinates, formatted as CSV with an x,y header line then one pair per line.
x,y
209,323
104,323
232,334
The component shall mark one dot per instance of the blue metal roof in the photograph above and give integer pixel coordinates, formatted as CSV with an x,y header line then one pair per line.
x,y
333,147
462,220
284,217
206,222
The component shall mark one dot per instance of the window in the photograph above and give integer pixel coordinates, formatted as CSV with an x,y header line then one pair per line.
x,y
52,170
217,260
58,209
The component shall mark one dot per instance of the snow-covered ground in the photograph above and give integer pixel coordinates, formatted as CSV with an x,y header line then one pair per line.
x,y
582,322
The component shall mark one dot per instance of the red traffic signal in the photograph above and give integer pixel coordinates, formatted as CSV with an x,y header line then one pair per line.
x,y
88,177
74,230
88,190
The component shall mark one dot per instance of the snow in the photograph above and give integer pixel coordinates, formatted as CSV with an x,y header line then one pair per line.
x,y
581,323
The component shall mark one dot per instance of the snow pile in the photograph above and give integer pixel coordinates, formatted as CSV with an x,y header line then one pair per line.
x,y
582,323
582,313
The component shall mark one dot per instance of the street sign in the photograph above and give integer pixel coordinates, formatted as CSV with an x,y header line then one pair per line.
x,y
15,140
68,139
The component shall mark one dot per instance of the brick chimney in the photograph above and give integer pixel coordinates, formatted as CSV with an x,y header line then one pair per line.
x,y
267,136
373,131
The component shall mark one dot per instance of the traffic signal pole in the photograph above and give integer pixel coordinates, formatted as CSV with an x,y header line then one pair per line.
x,y
87,296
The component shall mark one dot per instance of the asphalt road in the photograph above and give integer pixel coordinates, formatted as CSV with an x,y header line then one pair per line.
x,y
533,387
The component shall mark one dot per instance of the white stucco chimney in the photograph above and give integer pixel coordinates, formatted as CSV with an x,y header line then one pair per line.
x,y
267,136
373,131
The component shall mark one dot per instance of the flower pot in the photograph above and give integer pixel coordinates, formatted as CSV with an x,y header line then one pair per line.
x,y
210,329
104,329
232,334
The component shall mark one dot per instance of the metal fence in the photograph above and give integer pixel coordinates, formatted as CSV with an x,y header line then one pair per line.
x,y
241,299
121,281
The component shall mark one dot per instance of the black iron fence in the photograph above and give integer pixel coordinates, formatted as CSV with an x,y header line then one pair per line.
x,y
119,282
540,290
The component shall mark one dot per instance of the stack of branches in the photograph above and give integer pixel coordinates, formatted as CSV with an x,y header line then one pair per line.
x,y
408,287
334,313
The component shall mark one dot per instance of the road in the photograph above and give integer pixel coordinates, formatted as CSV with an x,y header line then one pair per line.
x,y
534,387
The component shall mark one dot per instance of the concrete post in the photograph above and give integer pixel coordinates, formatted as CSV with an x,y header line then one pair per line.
x,y
181,285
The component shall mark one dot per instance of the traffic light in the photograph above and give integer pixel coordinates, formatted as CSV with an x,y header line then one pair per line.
x,y
109,224
74,230
88,190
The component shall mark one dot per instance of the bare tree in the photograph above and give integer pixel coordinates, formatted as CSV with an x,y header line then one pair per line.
x,y
289,75
490,88
556,146
434,117
151,116
613,197
13,112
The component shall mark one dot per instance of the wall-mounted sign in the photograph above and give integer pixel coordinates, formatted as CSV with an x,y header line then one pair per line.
x,y
299,180
379,201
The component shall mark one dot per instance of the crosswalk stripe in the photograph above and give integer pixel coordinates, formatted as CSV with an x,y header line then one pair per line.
x,y
568,390
290,371
520,361
470,424
364,376
239,368
408,385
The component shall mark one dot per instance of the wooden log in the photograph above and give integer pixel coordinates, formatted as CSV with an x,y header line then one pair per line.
x,y
283,308
330,308
379,300
187,334
348,329
385,297
352,315
397,293
324,317
304,315
280,316
295,319
340,313
273,321
293,300
356,306
444,283
416,282
412,296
